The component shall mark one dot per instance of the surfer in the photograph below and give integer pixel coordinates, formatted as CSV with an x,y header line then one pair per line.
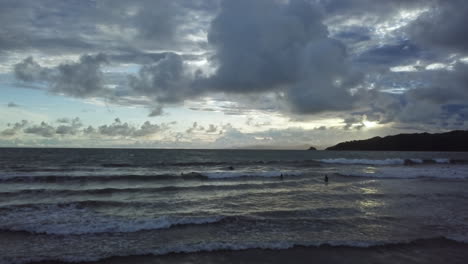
x,y
325,179
281,176
231,168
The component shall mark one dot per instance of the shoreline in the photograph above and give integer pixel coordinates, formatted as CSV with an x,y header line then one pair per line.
x,y
434,250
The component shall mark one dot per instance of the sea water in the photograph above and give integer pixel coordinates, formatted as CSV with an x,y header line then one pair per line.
x,y
91,204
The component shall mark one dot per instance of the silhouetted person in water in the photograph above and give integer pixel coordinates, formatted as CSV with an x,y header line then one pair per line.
x,y
231,168
325,179
281,176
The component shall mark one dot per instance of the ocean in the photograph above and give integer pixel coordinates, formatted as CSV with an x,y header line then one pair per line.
x,y
232,206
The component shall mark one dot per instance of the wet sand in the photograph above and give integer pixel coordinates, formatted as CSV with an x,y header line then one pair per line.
x,y
439,250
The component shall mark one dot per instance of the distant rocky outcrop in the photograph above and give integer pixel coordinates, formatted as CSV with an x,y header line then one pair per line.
x,y
312,148
451,141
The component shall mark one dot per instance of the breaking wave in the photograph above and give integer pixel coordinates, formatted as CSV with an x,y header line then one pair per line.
x,y
72,219
245,245
409,172
387,161
159,177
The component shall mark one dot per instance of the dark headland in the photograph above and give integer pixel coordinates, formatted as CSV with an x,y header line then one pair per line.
x,y
451,141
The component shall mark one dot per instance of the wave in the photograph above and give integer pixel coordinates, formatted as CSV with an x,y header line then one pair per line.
x,y
130,166
61,178
73,219
78,218
396,161
209,246
410,172
157,177
105,191
213,163
240,174
81,218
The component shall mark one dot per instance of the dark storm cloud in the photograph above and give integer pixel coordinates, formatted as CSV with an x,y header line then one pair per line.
x,y
429,105
49,26
81,79
138,57
446,86
263,49
391,54
166,80
56,27
381,10
30,71
444,25
280,47
354,34
269,55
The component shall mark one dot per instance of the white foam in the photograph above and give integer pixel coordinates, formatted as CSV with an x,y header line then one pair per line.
x,y
381,162
432,171
215,246
65,220
364,161
238,174
197,247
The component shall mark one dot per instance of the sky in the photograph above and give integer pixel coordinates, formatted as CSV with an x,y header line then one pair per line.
x,y
278,74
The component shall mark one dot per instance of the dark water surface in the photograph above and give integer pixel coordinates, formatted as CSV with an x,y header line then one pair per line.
x,y
93,204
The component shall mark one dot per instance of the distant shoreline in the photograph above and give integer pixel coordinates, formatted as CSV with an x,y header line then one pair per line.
x,y
454,141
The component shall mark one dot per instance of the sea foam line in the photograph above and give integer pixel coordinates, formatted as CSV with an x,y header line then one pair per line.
x,y
231,246
396,161
410,172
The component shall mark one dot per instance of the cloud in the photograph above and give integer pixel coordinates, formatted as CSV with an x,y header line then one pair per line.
x,y
12,104
195,127
391,54
444,26
431,104
439,101
120,129
291,137
81,79
283,48
296,58
72,126
43,130
29,71
359,8
156,111
13,129
57,27
212,129
166,81
149,129
36,25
